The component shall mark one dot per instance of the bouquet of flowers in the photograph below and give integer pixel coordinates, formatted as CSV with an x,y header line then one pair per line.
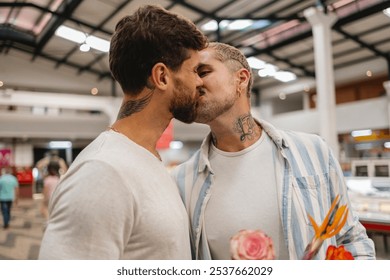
x,y
256,245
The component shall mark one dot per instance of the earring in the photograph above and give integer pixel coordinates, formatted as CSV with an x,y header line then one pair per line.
x,y
239,91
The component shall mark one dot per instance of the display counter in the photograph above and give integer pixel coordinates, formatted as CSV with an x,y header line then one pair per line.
x,y
370,199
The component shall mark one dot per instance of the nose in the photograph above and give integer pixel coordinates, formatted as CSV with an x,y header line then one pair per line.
x,y
199,81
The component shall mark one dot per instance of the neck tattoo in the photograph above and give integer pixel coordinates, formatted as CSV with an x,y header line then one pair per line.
x,y
246,126
133,106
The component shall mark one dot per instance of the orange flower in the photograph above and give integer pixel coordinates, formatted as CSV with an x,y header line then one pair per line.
x,y
334,221
338,253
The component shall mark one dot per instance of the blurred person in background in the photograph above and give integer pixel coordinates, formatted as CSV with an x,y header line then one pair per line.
x,y
42,167
50,182
117,199
249,175
9,194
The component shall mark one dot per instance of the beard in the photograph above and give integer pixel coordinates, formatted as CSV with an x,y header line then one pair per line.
x,y
184,104
210,110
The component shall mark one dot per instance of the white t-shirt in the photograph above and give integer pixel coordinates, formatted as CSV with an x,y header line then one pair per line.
x,y
116,201
243,196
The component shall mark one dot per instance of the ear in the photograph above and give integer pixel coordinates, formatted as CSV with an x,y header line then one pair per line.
x,y
160,76
243,76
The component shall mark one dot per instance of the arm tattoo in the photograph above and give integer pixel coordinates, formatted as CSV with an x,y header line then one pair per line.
x,y
134,106
246,125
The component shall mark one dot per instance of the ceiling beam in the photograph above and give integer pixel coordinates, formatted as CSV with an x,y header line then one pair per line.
x,y
195,8
55,22
9,33
340,22
293,65
363,13
100,25
44,9
71,64
361,42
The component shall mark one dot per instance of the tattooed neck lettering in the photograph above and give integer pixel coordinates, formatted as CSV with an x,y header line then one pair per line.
x,y
246,126
133,106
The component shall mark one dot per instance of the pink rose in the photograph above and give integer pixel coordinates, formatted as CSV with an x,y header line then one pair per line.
x,y
251,245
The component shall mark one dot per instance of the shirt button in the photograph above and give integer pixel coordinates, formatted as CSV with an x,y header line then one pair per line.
x,y
197,230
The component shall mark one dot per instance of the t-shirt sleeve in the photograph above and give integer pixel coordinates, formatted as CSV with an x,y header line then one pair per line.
x,y
91,215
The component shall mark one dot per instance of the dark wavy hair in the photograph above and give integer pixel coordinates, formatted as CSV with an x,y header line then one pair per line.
x,y
148,36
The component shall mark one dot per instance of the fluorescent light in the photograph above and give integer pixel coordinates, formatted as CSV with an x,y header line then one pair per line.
x,y
260,24
271,69
82,38
212,25
224,24
268,70
387,12
98,43
176,145
85,48
262,73
60,144
364,132
255,63
285,76
387,145
240,24
71,34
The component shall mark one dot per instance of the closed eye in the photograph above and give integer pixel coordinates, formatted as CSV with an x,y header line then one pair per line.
x,y
203,73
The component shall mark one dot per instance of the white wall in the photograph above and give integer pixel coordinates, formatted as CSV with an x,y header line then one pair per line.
x,y
23,155
364,114
17,70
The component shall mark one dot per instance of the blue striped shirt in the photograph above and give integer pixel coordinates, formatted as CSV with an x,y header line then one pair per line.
x,y
309,179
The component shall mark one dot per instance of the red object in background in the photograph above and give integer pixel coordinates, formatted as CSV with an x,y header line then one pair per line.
x,y
25,179
376,226
5,157
166,138
24,176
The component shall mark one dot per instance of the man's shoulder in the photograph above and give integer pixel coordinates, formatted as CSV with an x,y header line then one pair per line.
x,y
291,137
107,147
294,137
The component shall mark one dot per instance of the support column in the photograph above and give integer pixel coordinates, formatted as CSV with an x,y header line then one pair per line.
x,y
386,85
69,156
326,101
306,101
